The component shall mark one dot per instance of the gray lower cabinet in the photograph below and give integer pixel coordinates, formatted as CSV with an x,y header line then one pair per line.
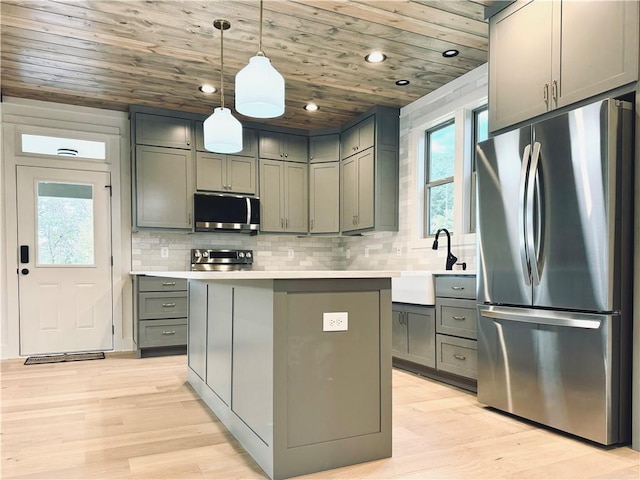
x,y
161,308
216,172
324,197
413,334
456,325
283,196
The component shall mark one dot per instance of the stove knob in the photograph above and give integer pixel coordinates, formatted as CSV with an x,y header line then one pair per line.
x,y
197,254
248,254
241,255
205,254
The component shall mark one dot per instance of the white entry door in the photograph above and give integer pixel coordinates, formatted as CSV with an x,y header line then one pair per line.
x,y
64,264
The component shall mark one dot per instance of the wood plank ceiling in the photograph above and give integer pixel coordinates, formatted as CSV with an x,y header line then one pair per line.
x,y
114,53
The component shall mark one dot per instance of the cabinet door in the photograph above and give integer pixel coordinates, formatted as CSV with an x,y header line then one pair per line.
x,y
324,148
348,142
211,172
421,335
295,197
270,145
197,328
295,148
219,339
164,188
398,332
241,174
606,57
520,62
366,188
163,131
271,196
348,194
366,133
324,197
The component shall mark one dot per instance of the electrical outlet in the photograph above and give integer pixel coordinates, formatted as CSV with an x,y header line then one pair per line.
x,y
164,252
291,253
398,251
348,253
335,321
366,251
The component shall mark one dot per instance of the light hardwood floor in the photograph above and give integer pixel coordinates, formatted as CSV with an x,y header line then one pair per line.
x,y
128,418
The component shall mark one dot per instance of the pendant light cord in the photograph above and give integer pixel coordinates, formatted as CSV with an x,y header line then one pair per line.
x,y
222,67
260,52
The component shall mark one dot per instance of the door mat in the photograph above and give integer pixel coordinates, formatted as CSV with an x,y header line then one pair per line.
x,y
65,357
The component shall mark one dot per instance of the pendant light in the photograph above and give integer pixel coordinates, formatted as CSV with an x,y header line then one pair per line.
x,y
259,86
222,131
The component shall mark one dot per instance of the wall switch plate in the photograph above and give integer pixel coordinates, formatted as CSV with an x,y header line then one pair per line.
x,y
164,252
335,321
291,253
366,251
399,251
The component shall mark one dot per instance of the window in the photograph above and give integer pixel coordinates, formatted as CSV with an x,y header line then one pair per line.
x,y
480,133
440,163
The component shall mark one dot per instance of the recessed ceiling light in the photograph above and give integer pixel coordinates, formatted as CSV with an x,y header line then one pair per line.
x,y
375,57
311,107
206,88
450,53
402,83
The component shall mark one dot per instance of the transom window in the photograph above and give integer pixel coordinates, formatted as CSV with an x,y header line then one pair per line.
x,y
440,163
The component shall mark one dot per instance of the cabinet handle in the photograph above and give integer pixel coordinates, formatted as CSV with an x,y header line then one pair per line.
x,y
286,223
459,357
286,155
312,224
311,157
457,288
168,284
168,305
168,332
353,220
554,92
458,318
545,94
282,223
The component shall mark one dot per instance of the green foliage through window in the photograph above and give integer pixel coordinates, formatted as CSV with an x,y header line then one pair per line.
x,y
440,169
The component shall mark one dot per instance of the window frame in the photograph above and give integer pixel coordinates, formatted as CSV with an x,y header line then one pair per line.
x,y
436,183
474,161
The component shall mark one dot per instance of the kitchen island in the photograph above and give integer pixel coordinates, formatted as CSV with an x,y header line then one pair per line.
x,y
297,365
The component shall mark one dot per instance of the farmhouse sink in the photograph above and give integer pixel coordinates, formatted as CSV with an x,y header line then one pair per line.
x,y
413,286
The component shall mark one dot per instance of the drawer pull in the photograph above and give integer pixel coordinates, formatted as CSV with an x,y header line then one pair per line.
x,y
458,318
168,332
457,288
168,305
168,284
459,357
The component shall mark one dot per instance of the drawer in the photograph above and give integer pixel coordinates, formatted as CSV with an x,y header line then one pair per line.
x,y
159,284
162,305
163,333
456,286
457,355
456,317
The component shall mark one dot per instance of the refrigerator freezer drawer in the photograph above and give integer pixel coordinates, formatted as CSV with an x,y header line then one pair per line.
x,y
558,373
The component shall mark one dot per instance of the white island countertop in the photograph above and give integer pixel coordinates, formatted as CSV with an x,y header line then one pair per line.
x,y
269,274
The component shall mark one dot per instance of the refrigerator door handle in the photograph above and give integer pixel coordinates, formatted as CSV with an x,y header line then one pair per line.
x,y
526,269
542,317
529,228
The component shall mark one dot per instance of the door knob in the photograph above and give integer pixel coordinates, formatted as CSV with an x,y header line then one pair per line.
x,y
24,271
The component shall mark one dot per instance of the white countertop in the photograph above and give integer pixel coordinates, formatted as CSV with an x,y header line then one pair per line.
x,y
270,274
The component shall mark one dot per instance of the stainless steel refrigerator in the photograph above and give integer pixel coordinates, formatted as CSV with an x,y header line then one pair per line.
x,y
554,271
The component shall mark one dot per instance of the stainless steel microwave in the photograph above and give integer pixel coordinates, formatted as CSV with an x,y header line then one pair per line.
x,y
226,213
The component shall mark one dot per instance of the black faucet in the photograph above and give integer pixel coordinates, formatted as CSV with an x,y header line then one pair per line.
x,y
451,259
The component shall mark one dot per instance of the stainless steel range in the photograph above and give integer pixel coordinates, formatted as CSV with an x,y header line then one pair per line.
x,y
221,260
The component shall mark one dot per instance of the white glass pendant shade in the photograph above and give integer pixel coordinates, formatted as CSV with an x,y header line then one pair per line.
x,y
222,132
259,89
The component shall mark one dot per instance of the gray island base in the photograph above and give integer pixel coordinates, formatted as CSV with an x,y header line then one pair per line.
x,y
265,356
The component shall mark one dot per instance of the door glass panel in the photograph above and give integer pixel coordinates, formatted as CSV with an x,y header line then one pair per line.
x,y
65,224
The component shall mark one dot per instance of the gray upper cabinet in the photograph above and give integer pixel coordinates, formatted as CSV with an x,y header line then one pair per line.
x,y
540,57
283,146
369,177
324,148
358,137
324,197
163,187
163,131
249,141
225,173
283,196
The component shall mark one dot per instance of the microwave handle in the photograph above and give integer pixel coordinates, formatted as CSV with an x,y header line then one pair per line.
x,y
248,210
